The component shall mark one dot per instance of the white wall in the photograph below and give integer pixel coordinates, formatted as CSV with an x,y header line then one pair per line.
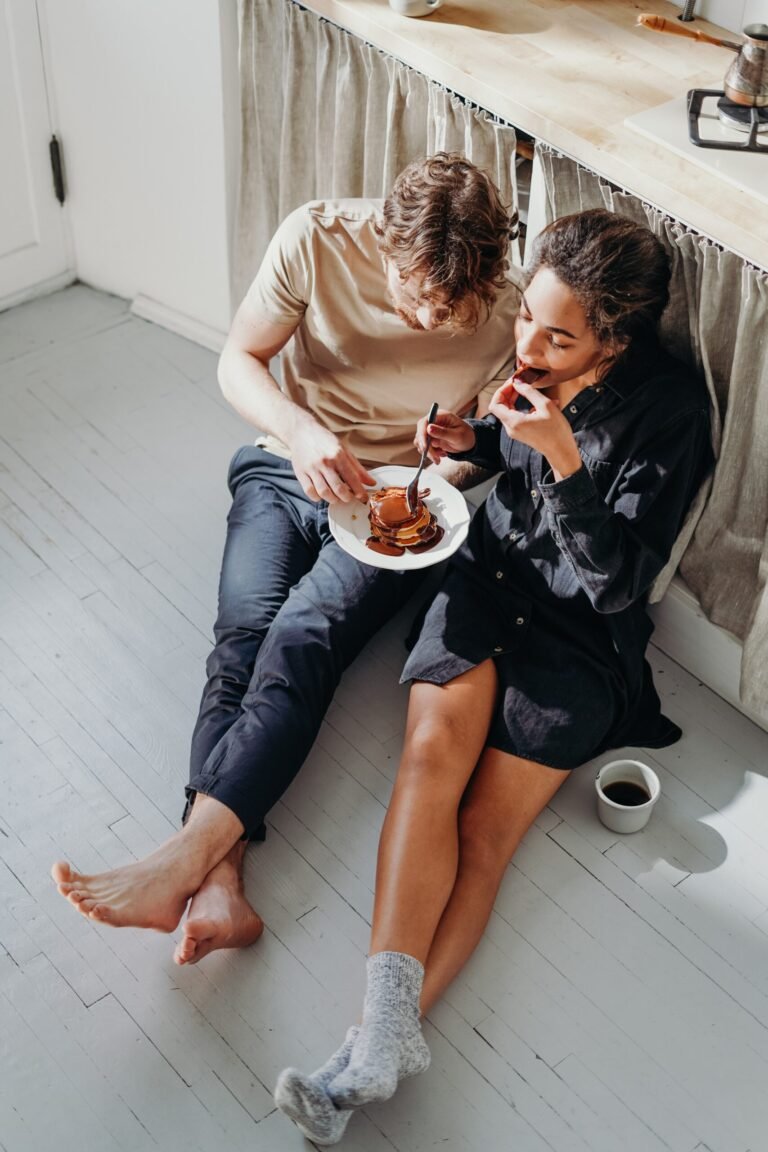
x,y
733,14
140,91
230,76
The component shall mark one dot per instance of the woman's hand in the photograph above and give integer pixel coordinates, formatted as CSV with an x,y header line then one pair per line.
x,y
448,433
544,428
325,469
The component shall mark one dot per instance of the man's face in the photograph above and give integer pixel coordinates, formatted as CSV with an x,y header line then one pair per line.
x,y
414,309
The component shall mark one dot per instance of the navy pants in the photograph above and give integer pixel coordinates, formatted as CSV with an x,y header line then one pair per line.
x,y
294,611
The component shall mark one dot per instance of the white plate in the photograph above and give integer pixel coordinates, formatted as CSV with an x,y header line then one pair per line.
x,y
351,528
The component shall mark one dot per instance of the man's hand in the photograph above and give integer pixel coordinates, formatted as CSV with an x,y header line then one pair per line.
x,y
324,467
448,433
544,428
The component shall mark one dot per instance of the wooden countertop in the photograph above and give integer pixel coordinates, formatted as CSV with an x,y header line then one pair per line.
x,y
569,74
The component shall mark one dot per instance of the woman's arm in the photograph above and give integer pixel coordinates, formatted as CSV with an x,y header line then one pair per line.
x,y
617,544
485,452
616,540
454,438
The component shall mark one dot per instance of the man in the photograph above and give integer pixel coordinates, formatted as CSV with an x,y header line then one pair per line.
x,y
378,309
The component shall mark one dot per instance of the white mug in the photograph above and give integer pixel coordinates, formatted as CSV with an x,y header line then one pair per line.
x,y
414,7
622,812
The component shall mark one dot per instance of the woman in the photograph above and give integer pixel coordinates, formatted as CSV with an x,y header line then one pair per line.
x,y
530,660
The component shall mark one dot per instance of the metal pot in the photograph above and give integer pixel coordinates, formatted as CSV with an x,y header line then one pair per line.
x,y
746,81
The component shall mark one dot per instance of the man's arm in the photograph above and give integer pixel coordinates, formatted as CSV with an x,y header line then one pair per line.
x,y
459,473
244,376
324,468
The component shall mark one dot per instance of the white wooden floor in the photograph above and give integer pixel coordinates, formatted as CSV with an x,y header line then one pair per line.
x,y
620,997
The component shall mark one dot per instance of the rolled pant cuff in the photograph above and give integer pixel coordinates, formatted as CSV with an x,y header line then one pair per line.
x,y
232,798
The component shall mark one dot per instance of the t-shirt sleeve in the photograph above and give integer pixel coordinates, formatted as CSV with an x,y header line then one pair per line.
x,y
508,306
282,285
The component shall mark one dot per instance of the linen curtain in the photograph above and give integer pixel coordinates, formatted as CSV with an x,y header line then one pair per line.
x,y
717,320
325,115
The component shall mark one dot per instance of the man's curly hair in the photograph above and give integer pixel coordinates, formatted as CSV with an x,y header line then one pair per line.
x,y
444,221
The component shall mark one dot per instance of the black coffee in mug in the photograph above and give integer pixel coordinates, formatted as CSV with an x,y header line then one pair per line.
x,y
626,792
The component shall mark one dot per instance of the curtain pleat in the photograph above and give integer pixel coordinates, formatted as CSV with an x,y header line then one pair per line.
x,y
325,115
718,321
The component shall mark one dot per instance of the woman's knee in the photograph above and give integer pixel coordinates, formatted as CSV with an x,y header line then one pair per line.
x,y
435,742
433,766
486,839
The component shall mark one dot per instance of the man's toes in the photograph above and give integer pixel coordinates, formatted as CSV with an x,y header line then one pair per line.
x,y
61,872
76,896
67,881
101,912
199,939
182,953
186,951
202,949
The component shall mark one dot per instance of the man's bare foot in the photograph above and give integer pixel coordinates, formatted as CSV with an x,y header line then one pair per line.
x,y
152,893
219,915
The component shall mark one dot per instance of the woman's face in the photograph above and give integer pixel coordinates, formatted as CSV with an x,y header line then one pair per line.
x,y
553,336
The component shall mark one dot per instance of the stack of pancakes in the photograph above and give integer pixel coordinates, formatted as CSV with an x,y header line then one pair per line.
x,y
395,528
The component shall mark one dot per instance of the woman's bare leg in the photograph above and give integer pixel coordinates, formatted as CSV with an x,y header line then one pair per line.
x,y
503,799
446,729
418,856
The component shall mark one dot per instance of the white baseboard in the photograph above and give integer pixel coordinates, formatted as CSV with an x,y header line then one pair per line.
x,y
177,322
44,288
708,652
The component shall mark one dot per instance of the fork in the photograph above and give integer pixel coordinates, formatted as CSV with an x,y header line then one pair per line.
x,y
412,491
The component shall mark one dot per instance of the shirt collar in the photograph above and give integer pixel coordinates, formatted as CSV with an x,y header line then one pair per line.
x,y
641,360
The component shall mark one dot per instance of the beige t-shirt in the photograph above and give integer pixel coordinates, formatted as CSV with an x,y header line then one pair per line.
x,y
352,361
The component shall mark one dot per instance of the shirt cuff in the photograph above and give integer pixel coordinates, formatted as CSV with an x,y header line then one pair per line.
x,y
569,494
486,440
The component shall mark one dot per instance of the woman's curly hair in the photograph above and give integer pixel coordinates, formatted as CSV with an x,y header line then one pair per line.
x,y
444,221
617,270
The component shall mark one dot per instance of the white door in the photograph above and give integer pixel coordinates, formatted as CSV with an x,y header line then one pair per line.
x,y
33,246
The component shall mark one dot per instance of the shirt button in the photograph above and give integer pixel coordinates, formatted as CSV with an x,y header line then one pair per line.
x,y
520,620
534,493
514,535
498,648
499,575
573,408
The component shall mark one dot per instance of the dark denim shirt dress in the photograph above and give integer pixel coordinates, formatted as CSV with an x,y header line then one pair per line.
x,y
553,578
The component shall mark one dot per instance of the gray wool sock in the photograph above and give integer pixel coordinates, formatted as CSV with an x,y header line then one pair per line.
x,y
390,1045
306,1101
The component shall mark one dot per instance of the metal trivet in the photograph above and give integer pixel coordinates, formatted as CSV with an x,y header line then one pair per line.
x,y
752,121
